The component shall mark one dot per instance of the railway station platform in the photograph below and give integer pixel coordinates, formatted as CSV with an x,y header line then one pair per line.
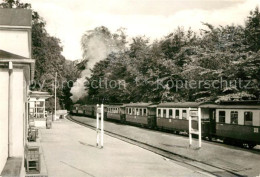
x,y
215,156
69,150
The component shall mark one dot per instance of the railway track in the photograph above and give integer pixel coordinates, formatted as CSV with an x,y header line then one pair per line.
x,y
205,168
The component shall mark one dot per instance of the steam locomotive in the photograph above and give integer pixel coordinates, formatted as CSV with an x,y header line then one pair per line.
x,y
234,122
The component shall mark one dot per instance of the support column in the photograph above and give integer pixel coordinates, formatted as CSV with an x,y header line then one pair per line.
x,y
10,109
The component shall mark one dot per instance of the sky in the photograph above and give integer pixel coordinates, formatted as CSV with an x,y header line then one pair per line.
x,y
69,19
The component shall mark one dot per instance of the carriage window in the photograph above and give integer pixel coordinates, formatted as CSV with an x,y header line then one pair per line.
x,y
177,113
248,118
130,110
164,113
144,111
136,111
141,112
222,116
234,117
159,112
184,114
170,113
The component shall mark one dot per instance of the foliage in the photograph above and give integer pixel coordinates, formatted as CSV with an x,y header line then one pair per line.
x,y
220,63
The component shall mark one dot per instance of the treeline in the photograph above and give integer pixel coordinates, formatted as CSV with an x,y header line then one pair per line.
x,y
219,63
46,50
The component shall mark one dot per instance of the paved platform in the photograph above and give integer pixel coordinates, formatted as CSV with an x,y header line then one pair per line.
x,y
69,150
241,161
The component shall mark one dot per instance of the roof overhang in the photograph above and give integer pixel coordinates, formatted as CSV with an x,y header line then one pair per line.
x,y
37,94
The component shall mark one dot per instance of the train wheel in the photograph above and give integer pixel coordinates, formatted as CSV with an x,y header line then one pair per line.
x,y
249,145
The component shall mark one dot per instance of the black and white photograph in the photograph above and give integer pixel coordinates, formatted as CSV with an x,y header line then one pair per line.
x,y
129,88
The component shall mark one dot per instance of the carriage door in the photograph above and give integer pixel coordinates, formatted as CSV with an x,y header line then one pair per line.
x,y
212,118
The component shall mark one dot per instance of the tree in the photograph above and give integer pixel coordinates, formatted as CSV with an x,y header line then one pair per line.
x,y
252,30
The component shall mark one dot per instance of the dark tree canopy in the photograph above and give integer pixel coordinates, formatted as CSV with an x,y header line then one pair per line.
x,y
153,71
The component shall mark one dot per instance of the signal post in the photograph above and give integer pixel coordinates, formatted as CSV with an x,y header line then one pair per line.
x,y
100,125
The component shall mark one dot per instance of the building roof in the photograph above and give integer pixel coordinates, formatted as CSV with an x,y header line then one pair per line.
x,y
7,55
178,105
15,17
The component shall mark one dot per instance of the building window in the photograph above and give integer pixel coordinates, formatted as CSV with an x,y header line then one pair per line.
x,y
222,116
170,113
37,109
248,118
177,113
184,114
234,117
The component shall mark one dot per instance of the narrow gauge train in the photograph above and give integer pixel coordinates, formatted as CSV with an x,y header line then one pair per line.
x,y
237,123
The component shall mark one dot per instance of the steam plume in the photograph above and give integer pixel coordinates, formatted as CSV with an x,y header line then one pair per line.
x,y
96,47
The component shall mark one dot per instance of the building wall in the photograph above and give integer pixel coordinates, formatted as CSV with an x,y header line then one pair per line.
x,y
4,76
15,41
18,114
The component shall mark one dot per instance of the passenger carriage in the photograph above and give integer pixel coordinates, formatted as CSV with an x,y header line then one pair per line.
x,y
141,114
175,116
89,110
75,108
115,112
81,110
234,122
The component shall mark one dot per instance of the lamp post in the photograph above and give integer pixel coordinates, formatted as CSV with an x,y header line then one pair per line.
x,y
55,96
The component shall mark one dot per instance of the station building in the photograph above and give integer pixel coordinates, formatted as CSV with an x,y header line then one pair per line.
x,y
16,71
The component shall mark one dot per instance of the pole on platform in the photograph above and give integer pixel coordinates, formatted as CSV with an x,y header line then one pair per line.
x,y
102,125
55,96
97,129
190,135
199,117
